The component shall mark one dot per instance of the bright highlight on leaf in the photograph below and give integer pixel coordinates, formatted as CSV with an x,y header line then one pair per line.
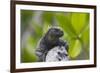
x,y
75,48
79,21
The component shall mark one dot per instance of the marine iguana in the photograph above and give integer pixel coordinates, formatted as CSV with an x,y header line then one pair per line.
x,y
50,40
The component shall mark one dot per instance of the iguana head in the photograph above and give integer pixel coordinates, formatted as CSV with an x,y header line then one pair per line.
x,y
55,32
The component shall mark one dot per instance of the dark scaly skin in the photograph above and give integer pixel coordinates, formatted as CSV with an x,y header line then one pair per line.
x,y
50,40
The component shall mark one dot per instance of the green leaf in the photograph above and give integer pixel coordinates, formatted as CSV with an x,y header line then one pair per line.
x,y
27,56
65,24
48,17
75,48
85,37
79,21
38,30
28,53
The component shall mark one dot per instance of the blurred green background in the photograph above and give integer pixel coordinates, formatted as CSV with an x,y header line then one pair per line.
x,y
34,25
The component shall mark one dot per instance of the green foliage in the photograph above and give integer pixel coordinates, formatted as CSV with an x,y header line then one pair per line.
x,y
85,38
75,48
26,16
79,20
75,26
47,21
48,17
65,24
